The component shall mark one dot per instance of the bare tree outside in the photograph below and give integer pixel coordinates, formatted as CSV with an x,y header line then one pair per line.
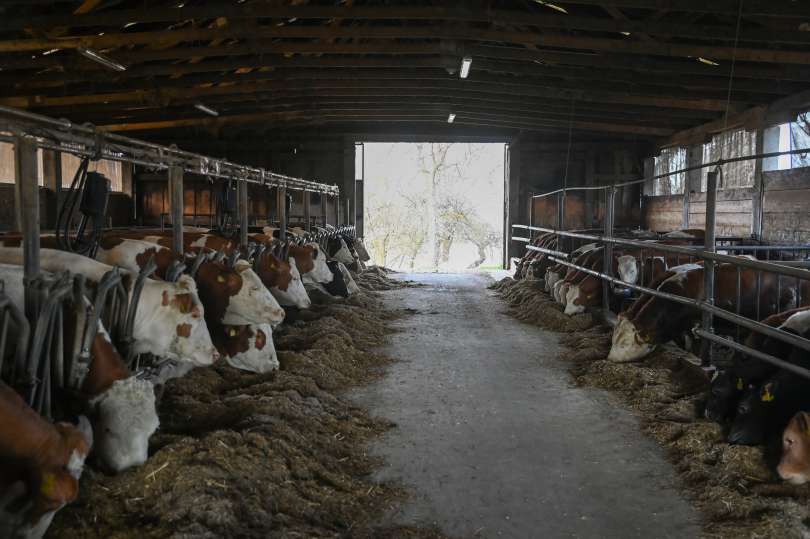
x,y
434,206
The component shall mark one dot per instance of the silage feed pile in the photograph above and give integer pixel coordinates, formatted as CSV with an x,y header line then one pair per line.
x,y
245,455
734,487
528,302
377,278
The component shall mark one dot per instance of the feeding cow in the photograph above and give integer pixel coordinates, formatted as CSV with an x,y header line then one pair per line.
x,y
161,306
121,407
794,466
281,276
40,465
652,320
248,348
729,384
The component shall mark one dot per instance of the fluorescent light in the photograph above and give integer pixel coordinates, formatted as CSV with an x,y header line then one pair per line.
x,y
625,33
101,59
707,61
46,53
466,62
451,118
552,6
207,110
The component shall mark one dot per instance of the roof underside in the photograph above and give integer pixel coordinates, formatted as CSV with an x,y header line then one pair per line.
x,y
638,68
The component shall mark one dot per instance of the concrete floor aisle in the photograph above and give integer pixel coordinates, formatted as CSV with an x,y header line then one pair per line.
x,y
494,441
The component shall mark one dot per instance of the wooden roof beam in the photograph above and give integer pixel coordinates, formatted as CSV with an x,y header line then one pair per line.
x,y
547,39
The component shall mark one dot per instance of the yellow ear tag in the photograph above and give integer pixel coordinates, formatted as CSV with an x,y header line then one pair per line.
x,y
232,332
766,394
739,384
220,279
48,484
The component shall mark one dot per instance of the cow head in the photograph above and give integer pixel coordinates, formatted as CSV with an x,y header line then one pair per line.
x,y
585,294
250,348
351,286
55,481
165,305
628,343
338,250
295,295
320,272
794,465
726,389
338,285
125,420
627,269
252,303
749,424
283,280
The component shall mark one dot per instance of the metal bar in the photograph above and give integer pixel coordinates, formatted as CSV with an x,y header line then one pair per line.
x,y
176,204
337,210
753,325
244,213
87,140
546,251
307,211
281,211
607,267
26,191
690,251
708,273
782,364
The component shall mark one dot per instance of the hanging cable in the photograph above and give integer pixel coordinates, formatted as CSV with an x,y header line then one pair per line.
x,y
733,64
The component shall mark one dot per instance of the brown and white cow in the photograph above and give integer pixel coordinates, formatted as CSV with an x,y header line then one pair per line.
x,y
121,407
248,348
794,466
283,280
169,320
651,320
40,465
310,259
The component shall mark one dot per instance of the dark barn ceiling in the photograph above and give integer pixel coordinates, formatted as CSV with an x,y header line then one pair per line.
x,y
624,68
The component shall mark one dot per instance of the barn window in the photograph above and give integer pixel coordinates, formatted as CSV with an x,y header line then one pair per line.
x,y
785,137
726,145
111,169
7,163
670,160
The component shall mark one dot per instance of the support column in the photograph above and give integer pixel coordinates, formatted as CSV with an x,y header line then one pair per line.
x,y
176,204
244,213
607,267
337,210
511,201
708,272
26,194
759,187
307,211
694,157
281,211
324,200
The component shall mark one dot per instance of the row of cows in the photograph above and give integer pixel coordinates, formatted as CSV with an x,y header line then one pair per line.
x,y
754,400
218,300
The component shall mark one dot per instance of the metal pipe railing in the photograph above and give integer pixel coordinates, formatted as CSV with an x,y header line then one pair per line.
x,y
85,140
695,252
753,325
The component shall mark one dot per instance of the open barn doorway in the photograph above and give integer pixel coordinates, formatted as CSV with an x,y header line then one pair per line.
x,y
433,206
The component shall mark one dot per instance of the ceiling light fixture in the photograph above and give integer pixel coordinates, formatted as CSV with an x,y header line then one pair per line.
x,y
555,7
101,59
207,110
466,62
451,118
707,61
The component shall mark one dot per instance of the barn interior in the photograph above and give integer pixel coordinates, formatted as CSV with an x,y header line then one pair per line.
x,y
680,123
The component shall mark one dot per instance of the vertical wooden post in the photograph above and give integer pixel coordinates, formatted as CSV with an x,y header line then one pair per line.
x,y
281,211
176,204
26,195
324,198
307,210
337,210
244,213
759,187
708,265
